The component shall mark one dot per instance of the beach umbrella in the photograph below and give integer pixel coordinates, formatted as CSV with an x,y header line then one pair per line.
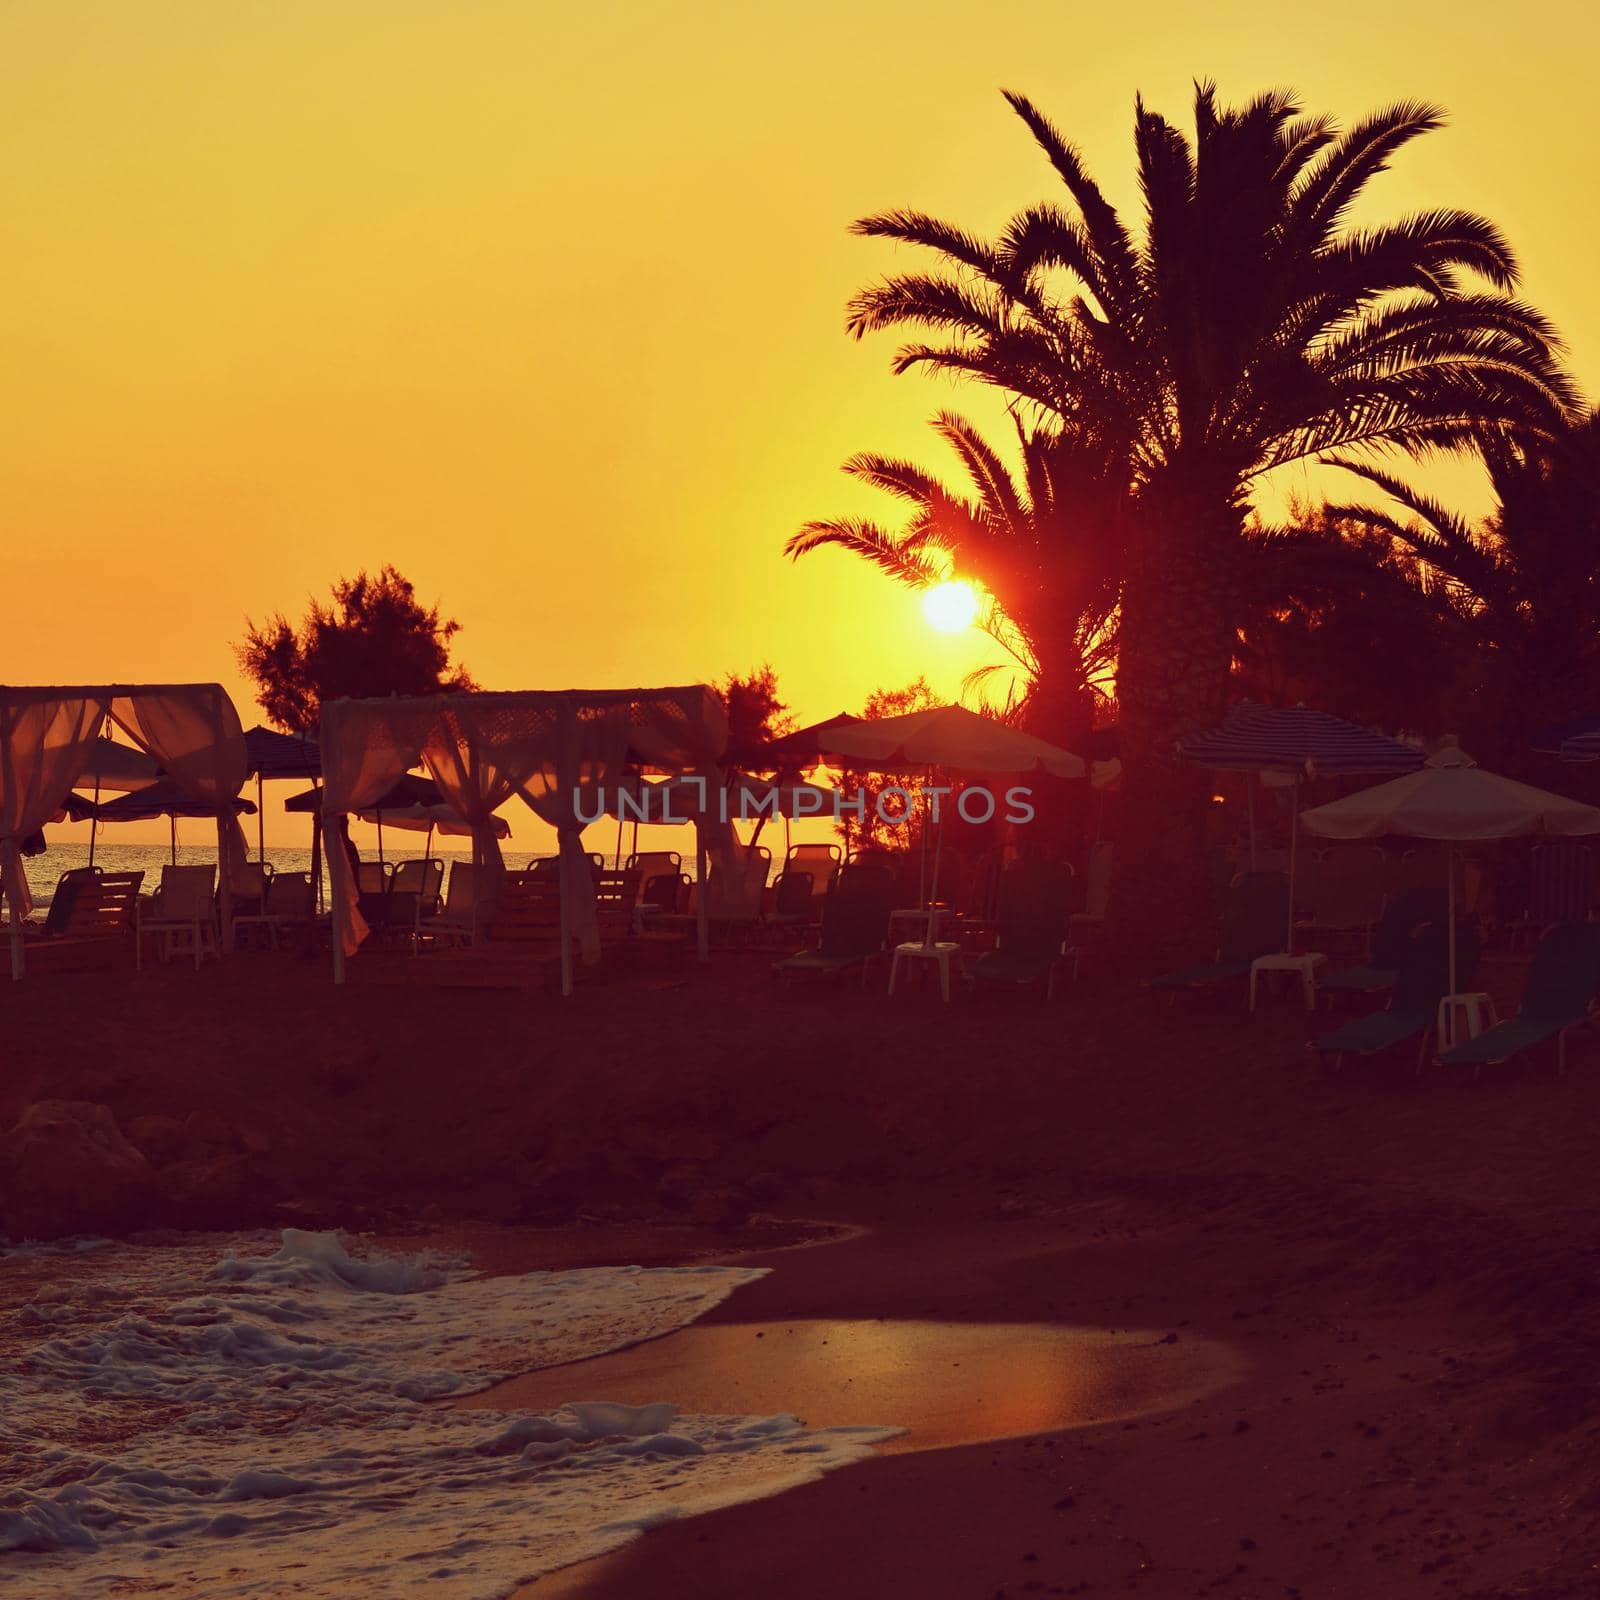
x,y
270,754
122,767
945,736
952,739
1453,799
1582,743
1291,743
119,767
804,748
163,799
412,802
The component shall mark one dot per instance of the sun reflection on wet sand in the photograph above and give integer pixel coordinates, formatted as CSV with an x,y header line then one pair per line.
x,y
946,1383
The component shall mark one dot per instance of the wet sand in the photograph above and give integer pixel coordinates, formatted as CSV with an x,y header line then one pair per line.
x,y
1406,1265
944,1383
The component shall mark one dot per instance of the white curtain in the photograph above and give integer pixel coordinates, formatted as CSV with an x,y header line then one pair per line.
x,y
193,732
47,734
554,748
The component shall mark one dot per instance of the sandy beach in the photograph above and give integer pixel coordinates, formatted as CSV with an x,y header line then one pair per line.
x,y
1387,1282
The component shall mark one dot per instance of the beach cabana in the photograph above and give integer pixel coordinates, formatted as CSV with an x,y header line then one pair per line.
x,y
558,750
47,741
1452,799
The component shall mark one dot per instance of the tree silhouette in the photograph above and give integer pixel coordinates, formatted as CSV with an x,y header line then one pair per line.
x,y
1524,583
374,639
1244,326
1046,551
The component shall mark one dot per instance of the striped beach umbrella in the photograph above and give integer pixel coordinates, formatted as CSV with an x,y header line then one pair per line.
x,y
1298,741
1294,742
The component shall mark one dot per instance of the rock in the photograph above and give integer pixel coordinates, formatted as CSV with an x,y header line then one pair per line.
x,y
678,1186
208,1134
159,1139
764,1187
66,1168
719,1208
227,1191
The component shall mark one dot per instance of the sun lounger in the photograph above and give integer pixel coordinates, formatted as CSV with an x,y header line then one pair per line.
x,y
1253,925
415,889
1032,922
252,884
1559,993
183,913
518,942
661,878
1421,983
1344,886
819,862
1097,885
855,926
63,902
1401,918
457,922
91,907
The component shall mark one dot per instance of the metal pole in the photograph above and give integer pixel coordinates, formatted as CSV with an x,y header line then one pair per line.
x,y
1294,839
331,843
172,817
261,823
702,928
563,873
1450,898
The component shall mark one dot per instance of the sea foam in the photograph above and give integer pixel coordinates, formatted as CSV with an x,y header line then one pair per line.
x,y
266,1425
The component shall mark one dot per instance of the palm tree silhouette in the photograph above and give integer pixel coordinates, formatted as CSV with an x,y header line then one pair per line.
x,y
1046,549
1525,580
1244,326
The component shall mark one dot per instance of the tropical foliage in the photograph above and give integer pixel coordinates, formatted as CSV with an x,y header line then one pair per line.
x,y
1243,325
1044,550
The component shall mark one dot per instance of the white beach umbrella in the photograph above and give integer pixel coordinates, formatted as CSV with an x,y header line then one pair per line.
x,y
1452,798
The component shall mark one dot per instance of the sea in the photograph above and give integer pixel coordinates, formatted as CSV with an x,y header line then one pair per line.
x,y
246,1417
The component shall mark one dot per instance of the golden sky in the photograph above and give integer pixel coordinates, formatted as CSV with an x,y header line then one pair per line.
x,y
544,303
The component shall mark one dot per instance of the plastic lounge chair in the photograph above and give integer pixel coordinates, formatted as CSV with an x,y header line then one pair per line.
x,y
855,924
183,912
414,891
1031,930
252,888
459,917
291,905
795,900
1421,983
69,886
1401,918
1559,992
820,862
95,906
653,867
1097,885
1253,924
1345,886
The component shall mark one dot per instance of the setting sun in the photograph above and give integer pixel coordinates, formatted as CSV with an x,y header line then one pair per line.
x,y
951,607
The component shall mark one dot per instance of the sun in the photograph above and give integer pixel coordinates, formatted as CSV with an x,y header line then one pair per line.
x,y
951,607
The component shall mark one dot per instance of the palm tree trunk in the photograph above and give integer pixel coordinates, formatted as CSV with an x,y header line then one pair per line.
x,y
1179,613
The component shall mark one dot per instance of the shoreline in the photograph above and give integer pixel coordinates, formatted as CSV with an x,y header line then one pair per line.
x,y
1408,1263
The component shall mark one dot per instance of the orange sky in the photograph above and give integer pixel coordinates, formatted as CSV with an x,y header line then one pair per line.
x,y
544,304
